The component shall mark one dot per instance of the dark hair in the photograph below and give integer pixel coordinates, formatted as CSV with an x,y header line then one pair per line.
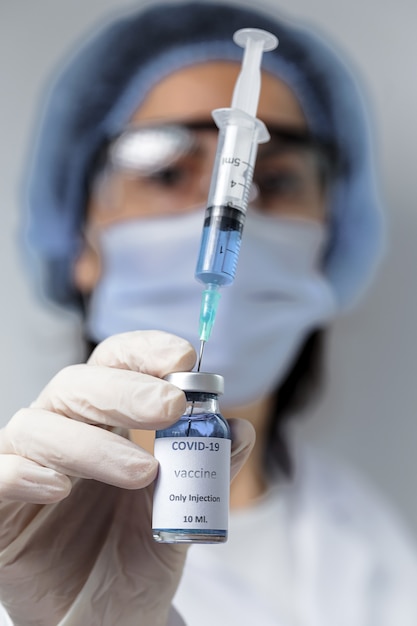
x,y
299,389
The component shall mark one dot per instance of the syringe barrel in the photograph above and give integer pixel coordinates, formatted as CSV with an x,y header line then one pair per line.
x,y
220,245
239,135
237,146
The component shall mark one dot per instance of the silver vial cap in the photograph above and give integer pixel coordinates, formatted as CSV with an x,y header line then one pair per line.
x,y
197,381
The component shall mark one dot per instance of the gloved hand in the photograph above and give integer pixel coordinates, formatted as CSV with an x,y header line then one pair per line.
x,y
76,545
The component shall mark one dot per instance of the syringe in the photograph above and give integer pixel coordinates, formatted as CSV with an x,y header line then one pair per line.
x,y
240,132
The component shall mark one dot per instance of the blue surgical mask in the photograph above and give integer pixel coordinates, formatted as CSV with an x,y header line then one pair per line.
x,y
279,295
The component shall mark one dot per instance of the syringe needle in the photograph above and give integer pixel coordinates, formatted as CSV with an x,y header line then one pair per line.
x,y
202,344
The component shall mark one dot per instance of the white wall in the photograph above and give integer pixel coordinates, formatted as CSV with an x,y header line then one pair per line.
x,y
369,415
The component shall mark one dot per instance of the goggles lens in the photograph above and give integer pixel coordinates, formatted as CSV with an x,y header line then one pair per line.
x,y
149,149
166,168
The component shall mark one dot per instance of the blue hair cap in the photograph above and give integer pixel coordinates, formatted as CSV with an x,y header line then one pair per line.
x,y
106,79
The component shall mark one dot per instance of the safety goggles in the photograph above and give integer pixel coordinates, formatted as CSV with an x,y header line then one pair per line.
x,y
154,169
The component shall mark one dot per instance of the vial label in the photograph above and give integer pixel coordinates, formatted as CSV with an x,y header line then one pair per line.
x,y
192,488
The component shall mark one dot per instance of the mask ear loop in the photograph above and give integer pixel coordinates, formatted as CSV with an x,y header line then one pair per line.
x,y
89,240
87,268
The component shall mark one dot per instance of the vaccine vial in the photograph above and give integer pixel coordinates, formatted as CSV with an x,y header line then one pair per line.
x,y
191,497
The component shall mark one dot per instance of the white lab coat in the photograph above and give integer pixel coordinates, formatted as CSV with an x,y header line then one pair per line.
x,y
322,550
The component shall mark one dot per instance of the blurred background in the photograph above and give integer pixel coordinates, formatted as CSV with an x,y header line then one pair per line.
x,y
368,416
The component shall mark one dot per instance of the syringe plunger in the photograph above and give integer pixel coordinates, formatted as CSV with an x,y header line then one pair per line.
x,y
248,85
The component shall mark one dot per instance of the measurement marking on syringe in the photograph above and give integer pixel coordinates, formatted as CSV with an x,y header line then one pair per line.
x,y
235,161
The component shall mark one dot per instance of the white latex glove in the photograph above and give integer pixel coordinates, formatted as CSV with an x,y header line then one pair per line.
x,y
76,545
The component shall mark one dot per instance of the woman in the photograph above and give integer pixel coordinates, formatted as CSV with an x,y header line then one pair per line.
x,y
117,228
